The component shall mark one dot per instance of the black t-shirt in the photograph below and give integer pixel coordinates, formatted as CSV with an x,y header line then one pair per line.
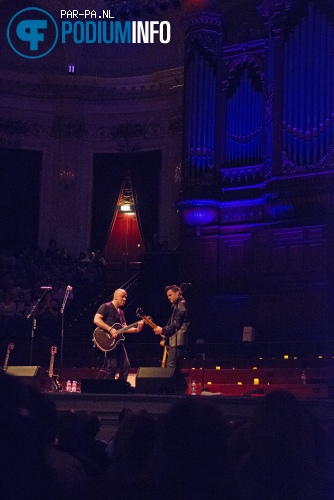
x,y
110,315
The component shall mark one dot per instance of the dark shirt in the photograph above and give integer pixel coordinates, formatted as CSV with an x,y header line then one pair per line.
x,y
110,315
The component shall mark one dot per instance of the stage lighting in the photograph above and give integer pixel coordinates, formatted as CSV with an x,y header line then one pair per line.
x,y
129,209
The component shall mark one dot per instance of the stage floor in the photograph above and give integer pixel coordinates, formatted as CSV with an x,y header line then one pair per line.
x,y
108,406
232,389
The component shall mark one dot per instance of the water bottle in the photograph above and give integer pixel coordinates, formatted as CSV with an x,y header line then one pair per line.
x,y
74,386
193,388
68,386
303,377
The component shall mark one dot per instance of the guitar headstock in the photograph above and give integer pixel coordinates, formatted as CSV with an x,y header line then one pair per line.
x,y
53,349
139,312
10,346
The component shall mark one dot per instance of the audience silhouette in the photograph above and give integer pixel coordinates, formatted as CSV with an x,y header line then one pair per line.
x,y
281,454
190,453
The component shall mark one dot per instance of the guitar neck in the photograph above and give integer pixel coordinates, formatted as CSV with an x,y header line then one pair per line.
x,y
149,322
125,328
9,348
51,365
5,366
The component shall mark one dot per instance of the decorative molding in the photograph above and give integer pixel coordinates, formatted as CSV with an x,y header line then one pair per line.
x,y
203,212
69,127
242,175
208,42
137,130
312,133
198,212
12,127
274,12
208,178
246,211
203,30
242,139
201,20
291,168
95,89
302,195
252,54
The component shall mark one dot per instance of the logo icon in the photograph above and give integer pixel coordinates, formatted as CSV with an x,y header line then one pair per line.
x,y
32,33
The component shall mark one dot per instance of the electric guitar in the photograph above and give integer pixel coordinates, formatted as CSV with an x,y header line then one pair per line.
x,y
55,382
105,341
9,348
148,321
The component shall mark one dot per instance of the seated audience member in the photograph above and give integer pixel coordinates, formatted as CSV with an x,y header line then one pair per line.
x,y
121,416
283,454
190,459
77,436
52,252
132,446
8,306
27,432
26,304
93,447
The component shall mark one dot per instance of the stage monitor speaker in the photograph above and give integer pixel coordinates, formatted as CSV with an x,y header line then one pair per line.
x,y
105,386
248,334
153,380
32,375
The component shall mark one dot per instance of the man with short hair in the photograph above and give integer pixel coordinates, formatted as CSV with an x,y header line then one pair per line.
x,y
177,329
106,316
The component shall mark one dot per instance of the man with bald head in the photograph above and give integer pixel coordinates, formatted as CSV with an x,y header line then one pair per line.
x,y
106,316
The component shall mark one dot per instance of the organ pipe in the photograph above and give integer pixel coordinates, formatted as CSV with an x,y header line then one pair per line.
x,y
308,96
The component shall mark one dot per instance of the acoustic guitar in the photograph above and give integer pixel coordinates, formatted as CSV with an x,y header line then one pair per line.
x,y
105,341
10,347
55,382
148,321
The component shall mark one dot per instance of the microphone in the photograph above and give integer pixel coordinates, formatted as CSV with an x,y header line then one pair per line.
x,y
69,288
45,287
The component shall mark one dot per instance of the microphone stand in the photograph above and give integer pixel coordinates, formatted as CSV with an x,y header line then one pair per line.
x,y
33,324
62,310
